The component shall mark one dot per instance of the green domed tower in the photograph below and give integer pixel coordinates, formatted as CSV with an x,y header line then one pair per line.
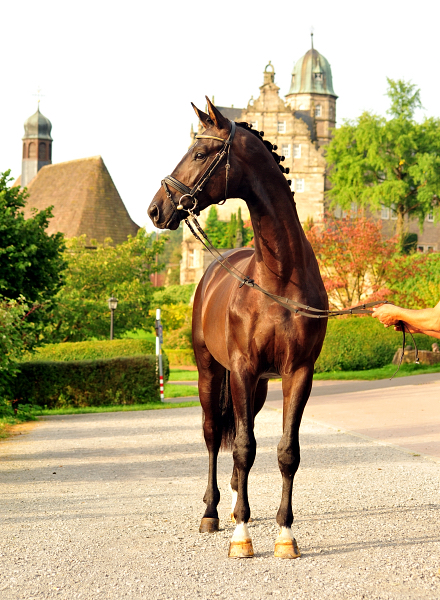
x,y
311,93
37,146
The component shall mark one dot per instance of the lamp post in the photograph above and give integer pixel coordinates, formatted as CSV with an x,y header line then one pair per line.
x,y
112,304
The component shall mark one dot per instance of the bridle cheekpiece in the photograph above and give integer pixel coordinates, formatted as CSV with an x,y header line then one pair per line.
x,y
187,192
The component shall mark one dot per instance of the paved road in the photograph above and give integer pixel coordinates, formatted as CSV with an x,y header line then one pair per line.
x,y
404,412
108,506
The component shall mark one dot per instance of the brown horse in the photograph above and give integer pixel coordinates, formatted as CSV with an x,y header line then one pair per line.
x,y
242,337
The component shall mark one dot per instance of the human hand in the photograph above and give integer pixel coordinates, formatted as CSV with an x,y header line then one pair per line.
x,y
387,314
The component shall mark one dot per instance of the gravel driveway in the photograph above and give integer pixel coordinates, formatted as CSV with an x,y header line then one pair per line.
x,y
108,506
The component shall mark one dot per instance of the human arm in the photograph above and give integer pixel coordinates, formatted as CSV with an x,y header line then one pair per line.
x,y
426,320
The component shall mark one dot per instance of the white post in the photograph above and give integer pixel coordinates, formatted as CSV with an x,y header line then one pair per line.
x,y
159,341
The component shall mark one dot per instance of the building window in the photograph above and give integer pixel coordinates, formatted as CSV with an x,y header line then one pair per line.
x,y
285,150
299,185
296,150
318,76
281,126
430,249
254,124
385,213
430,217
42,151
32,150
192,259
331,111
420,248
393,212
318,111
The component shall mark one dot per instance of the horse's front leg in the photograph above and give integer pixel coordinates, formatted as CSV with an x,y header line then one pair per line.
x,y
244,448
210,388
296,391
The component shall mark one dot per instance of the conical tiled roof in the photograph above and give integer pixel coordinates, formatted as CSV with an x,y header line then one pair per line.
x,y
84,198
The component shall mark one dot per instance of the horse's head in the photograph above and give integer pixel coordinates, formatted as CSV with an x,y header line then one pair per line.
x,y
202,176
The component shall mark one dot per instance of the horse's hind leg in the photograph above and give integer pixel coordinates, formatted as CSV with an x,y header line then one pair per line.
x,y
210,385
296,391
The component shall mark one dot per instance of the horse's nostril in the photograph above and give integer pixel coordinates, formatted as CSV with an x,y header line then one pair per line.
x,y
153,212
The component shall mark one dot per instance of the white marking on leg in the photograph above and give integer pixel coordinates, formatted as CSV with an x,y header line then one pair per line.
x,y
286,533
241,533
234,499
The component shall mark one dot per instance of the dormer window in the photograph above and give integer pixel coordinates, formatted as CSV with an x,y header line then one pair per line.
x,y
318,76
318,110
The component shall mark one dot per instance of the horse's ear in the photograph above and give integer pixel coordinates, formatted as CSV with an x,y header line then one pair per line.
x,y
203,117
216,116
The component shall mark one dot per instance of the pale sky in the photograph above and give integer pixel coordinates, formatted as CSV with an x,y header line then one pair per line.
x,y
117,78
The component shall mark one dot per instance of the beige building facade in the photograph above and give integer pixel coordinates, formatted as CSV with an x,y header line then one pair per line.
x,y
300,126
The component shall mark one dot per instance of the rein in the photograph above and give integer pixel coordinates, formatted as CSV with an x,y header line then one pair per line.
x,y
193,224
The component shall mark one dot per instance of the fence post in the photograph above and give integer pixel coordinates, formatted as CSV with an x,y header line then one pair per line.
x,y
159,342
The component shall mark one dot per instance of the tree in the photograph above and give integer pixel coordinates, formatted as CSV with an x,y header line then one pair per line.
x,y
393,163
227,234
31,261
93,275
353,259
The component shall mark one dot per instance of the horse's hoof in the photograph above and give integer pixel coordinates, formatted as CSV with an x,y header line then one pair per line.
x,y
287,549
241,549
209,525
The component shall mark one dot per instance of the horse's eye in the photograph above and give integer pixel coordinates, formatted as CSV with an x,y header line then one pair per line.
x,y
199,156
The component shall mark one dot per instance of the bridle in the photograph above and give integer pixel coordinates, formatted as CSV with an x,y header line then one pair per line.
x,y
204,178
295,307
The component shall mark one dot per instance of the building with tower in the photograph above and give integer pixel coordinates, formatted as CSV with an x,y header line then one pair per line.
x,y
300,125
84,198
37,146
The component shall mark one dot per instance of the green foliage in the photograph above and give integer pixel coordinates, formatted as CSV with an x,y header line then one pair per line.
x,y
124,380
227,234
181,357
172,254
416,281
173,294
93,350
31,261
359,343
13,334
93,275
394,163
176,320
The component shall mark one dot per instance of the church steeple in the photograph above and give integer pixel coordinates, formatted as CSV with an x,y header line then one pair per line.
x,y
37,146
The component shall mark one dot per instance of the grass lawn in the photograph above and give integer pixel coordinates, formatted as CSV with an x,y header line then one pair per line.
x,y
115,408
370,374
181,375
383,373
179,391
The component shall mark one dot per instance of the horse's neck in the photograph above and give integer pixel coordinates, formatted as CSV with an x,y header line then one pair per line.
x,y
280,243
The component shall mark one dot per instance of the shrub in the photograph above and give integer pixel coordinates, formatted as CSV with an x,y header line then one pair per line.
x,y
77,383
183,358
93,350
173,294
359,343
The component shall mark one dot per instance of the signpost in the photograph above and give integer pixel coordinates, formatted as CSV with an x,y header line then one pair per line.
x,y
159,342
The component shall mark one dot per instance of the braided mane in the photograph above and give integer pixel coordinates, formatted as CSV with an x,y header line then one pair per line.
x,y
271,147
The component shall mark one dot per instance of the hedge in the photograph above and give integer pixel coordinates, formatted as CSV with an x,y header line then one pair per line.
x,y
94,350
77,383
359,343
181,358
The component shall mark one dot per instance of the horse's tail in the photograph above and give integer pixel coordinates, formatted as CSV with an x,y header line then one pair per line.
x,y
227,410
